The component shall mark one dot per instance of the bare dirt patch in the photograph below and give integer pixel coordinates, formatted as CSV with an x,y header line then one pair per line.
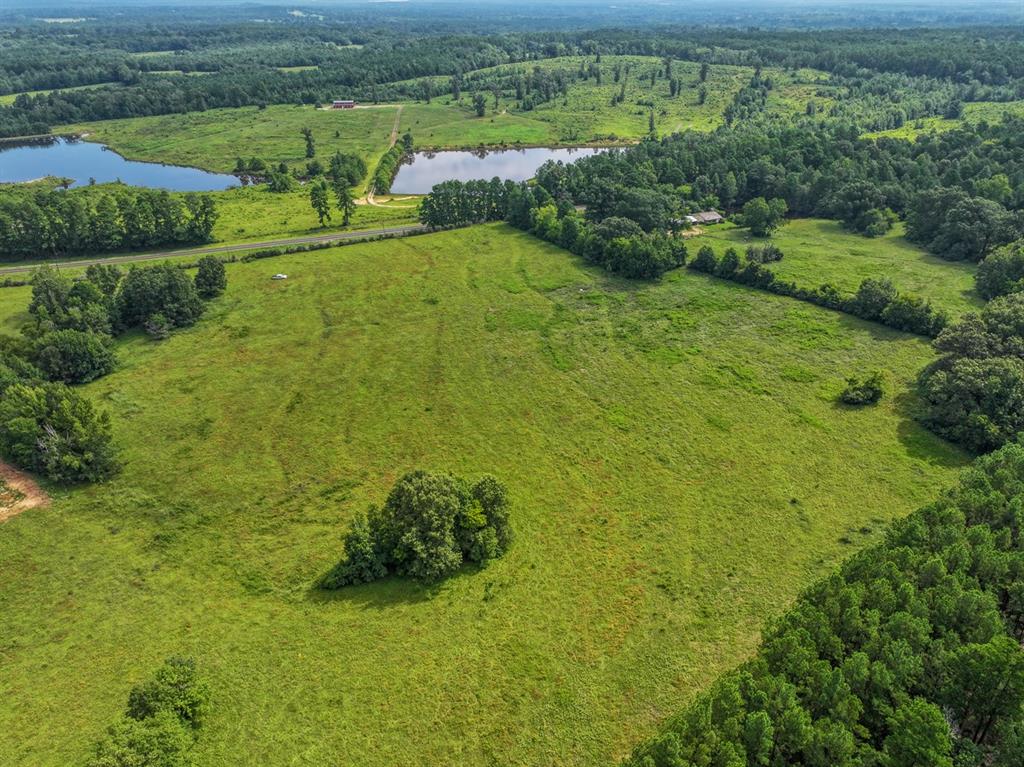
x,y
18,492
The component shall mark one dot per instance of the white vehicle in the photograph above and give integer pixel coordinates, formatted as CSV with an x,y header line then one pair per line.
x,y
279,277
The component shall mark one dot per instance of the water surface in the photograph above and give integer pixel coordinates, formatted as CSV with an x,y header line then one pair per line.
x,y
83,160
429,168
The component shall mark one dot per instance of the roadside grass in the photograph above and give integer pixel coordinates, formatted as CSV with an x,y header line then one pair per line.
x,y
817,251
214,139
679,468
974,112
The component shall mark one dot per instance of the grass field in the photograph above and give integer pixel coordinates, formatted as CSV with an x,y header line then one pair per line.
x,y
974,112
678,464
587,115
250,212
817,251
216,138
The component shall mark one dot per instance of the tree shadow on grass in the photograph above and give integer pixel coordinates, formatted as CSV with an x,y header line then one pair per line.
x,y
922,444
387,592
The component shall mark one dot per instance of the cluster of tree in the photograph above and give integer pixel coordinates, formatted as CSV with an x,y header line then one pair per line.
x,y
458,203
161,722
47,223
1002,272
429,526
910,655
958,227
619,245
960,190
974,393
47,427
876,300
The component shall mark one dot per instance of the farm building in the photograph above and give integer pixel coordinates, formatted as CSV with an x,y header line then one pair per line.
x,y
343,104
706,217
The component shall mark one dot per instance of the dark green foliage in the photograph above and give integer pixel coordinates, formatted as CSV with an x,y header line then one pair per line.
x,y
764,216
320,201
705,261
73,356
956,226
158,741
160,725
58,303
1002,271
974,394
868,665
728,265
177,688
428,527
457,203
863,391
37,223
211,278
51,430
872,298
161,289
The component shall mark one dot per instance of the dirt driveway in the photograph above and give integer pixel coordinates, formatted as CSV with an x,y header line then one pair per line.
x,y
18,492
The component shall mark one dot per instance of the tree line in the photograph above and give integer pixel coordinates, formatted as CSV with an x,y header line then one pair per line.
x,y
909,655
45,223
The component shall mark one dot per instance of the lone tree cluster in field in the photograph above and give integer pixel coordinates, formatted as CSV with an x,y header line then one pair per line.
x,y
161,722
429,526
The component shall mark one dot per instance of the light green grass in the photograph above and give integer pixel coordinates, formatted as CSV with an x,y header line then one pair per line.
x,y
301,68
8,99
215,138
677,461
250,212
974,112
817,251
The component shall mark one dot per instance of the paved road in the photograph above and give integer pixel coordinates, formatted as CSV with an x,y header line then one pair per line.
x,y
334,237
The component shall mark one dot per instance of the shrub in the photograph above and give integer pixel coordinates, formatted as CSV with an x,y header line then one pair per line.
x,y
429,526
705,260
729,264
764,254
52,430
211,280
160,724
160,741
175,688
73,356
163,289
157,327
863,391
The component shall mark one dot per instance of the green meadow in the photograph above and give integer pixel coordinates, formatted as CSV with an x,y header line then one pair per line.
x,y
817,251
678,464
8,98
215,138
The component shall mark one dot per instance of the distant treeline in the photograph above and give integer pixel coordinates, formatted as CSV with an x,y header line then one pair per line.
x,y
55,224
909,656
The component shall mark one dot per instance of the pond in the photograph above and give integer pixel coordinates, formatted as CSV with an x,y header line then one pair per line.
x,y
82,161
428,168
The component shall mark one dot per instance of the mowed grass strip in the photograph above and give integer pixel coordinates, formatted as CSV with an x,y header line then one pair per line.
x,y
816,251
677,461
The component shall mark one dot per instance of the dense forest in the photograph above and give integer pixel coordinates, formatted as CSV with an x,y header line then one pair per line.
x,y
245,63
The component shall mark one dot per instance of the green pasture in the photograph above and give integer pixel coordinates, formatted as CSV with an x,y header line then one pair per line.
x,y
817,251
974,112
678,464
8,98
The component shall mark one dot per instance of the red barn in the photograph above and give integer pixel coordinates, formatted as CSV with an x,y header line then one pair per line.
x,y
343,104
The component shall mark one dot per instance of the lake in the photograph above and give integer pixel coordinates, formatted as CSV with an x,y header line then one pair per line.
x,y
429,168
82,160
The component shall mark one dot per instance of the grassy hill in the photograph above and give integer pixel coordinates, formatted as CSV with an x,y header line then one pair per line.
x,y
817,251
678,464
